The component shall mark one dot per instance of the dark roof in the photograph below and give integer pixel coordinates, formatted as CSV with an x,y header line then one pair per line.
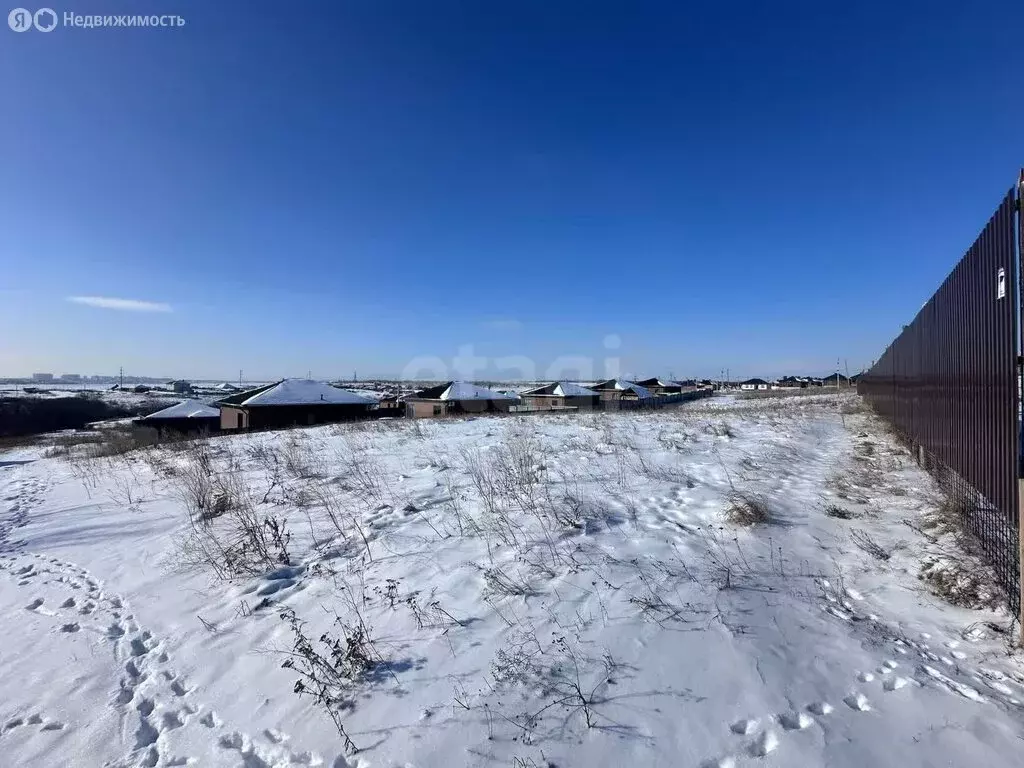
x,y
754,381
654,382
241,397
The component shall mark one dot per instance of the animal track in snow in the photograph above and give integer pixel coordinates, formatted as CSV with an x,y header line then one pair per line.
x,y
795,721
764,744
153,701
858,702
895,683
44,723
964,690
744,727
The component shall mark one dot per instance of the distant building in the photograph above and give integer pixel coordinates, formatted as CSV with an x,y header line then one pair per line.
x,y
834,379
42,377
560,394
659,387
180,386
456,397
292,402
754,384
616,389
70,377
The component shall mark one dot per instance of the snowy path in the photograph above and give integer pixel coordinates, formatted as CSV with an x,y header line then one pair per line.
x,y
706,644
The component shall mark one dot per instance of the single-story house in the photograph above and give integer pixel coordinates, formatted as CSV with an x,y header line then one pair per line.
x,y
752,384
456,397
389,401
180,386
290,402
559,394
659,387
615,389
833,379
186,416
226,387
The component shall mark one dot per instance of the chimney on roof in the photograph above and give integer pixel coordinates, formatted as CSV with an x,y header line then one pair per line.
x,y
321,395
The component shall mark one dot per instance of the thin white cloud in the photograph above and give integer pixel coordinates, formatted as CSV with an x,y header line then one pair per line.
x,y
503,324
124,305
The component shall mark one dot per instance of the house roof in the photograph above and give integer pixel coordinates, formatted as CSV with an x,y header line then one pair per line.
x,y
754,381
461,390
654,382
561,389
296,392
624,386
186,409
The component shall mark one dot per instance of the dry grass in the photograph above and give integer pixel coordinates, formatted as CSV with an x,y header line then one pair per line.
x,y
748,510
864,542
965,583
834,510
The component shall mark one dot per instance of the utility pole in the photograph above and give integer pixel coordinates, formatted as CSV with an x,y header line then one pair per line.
x,y
120,384
239,378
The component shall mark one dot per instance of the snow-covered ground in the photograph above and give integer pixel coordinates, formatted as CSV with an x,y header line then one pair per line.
x,y
557,590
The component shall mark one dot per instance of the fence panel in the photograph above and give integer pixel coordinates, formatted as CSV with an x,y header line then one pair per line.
x,y
948,383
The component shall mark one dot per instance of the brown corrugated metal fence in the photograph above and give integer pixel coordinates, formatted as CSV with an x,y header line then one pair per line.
x,y
949,385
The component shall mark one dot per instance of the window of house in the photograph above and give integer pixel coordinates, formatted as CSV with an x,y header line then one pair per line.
x,y
437,410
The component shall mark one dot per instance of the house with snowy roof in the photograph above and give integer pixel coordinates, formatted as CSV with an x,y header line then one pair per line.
x,y
292,402
660,387
617,389
457,397
188,416
560,394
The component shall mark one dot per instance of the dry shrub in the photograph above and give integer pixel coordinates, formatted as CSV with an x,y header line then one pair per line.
x,y
966,583
748,509
228,534
864,542
834,510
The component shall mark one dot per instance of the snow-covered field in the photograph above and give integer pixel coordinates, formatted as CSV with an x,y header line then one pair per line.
x,y
577,590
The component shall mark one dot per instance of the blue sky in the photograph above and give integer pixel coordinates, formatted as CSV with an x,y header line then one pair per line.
x,y
396,186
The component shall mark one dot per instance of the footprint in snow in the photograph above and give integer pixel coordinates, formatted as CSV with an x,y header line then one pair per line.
x,y
210,720
857,702
820,708
895,683
745,727
764,744
275,735
795,721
